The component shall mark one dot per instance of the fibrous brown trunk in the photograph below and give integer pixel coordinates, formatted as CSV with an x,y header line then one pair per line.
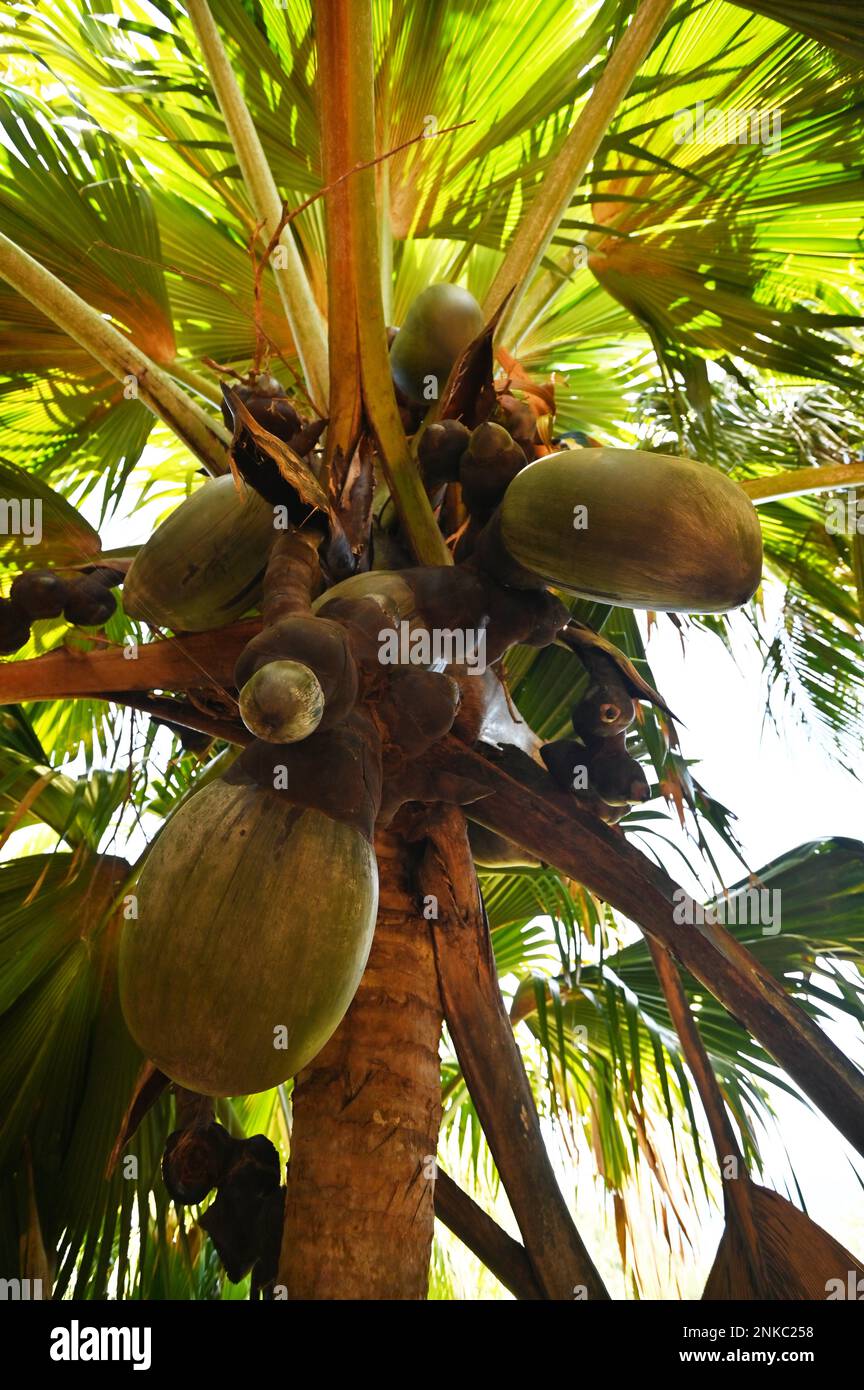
x,y
359,1209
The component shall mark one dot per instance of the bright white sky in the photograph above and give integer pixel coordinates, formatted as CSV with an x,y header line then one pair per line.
x,y
786,788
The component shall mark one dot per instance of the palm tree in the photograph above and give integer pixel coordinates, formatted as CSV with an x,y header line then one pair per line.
x,y
195,196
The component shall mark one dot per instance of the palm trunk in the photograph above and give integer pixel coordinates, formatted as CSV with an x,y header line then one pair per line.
x,y
359,1206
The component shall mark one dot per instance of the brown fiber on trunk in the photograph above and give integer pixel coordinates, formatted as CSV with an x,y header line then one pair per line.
x,y
359,1209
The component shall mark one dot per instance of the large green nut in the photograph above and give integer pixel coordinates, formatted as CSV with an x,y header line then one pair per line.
x,y
634,528
254,923
438,327
204,566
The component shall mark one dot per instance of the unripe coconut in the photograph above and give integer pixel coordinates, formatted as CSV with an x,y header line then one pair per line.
x,y
204,565
269,406
282,703
41,593
490,463
439,451
613,774
255,920
14,627
438,327
633,528
89,603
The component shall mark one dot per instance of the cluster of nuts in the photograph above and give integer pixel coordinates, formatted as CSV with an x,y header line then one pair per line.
x,y
484,461
244,1221
263,397
597,761
85,600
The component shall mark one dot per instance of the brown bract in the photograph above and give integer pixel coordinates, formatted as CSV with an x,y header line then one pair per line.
x,y
337,771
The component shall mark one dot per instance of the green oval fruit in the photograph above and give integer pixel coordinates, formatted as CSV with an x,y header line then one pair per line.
x,y
255,919
656,531
204,565
438,327
282,703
